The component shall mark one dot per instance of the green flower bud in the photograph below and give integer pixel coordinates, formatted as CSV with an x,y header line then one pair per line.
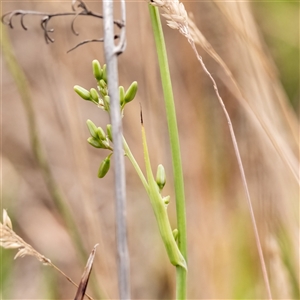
x,y
95,142
122,95
161,177
104,74
94,95
109,132
105,144
104,167
131,92
102,84
82,92
103,87
175,234
92,129
106,102
166,200
101,134
97,71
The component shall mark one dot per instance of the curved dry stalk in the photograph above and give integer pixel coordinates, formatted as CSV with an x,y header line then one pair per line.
x,y
199,38
269,67
242,172
177,18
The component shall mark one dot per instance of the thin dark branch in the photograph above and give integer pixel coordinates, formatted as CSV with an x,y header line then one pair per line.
x,y
119,49
85,42
89,41
72,25
44,24
7,18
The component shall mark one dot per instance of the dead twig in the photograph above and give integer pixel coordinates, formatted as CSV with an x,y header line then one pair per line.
x,y
85,276
80,10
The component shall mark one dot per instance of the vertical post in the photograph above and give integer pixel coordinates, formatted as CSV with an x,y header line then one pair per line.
x,y
111,52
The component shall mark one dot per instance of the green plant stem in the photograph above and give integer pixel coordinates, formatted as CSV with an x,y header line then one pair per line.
x,y
130,156
54,190
181,277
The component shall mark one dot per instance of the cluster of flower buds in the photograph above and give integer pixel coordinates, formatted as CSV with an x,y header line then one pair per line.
x,y
100,139
101,97
126,97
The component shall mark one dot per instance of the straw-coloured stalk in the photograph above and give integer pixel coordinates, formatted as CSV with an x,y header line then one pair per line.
x,y
10,240
177,18
85,276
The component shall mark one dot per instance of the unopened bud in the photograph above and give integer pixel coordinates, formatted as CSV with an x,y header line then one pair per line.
x,y
131,92
104,74
103,88
161,177
94,142
92,128
102,84
104,167
109,132
94,95
101,133
166,200
106,101
122,95
97,71
82,92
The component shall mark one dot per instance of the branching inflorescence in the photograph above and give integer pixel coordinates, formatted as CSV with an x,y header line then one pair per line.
x,y
153,186
80,10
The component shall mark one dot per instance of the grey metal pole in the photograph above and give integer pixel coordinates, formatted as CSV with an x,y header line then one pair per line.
x,y
111,52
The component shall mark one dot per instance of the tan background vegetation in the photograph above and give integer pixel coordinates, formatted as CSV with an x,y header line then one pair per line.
x,y
260,43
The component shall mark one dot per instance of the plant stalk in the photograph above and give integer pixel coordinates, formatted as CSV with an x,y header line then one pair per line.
x,y
181,277
137,168
120,187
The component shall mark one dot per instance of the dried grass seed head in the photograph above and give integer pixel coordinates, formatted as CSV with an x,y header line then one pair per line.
x,y
175,13
10,240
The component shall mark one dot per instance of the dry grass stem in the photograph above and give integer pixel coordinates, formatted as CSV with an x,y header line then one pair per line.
x,y
284,153
177,19
267,63
85,276
10,240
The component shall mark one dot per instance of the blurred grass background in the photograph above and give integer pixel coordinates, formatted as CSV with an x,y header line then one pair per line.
x,y
223,260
